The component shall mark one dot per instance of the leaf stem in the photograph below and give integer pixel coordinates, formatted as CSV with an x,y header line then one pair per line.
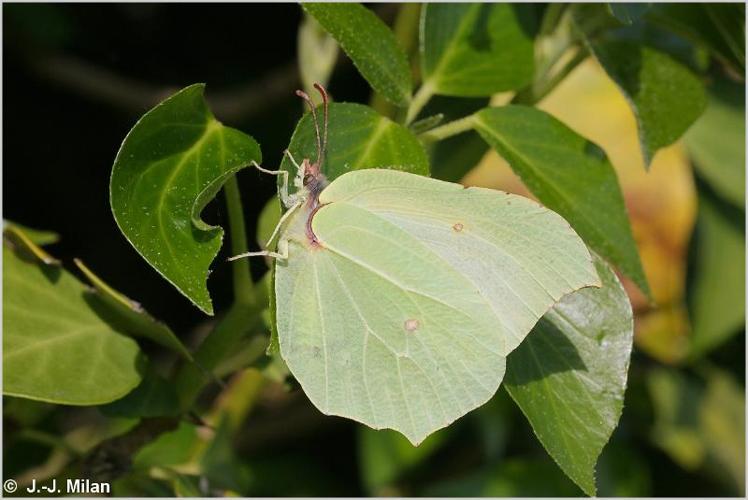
x,y
240,319
243,286
448,129
422,97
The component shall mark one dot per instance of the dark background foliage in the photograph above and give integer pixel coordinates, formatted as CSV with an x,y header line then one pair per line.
x,y
63,124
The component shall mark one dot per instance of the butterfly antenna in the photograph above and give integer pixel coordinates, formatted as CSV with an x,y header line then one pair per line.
x,y
326,101
309,102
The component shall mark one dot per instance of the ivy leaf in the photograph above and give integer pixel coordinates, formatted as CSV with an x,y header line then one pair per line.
x,y
359,138
716,142
663,94
569,375
171,164
318,53
37,236
370,44
131,316
473,50
56,346
570,175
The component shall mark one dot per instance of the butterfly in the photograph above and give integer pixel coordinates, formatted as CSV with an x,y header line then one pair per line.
x,y
400,296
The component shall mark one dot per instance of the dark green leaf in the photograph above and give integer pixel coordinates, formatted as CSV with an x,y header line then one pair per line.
x,y
664,95
130,315
371,46
476,49
718,291
359,138
56,346
569,375
171,164
570,175
716,141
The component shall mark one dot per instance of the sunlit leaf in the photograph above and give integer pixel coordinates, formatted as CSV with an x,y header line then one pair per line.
x,y
568,174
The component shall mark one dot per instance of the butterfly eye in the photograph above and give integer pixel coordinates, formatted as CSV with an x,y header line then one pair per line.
x,y
308,178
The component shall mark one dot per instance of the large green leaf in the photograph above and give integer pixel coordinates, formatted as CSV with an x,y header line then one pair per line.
x,y
473,49
371,46
359,138
718,290
664,95
171,164
569,174
569,375
716,141
56,346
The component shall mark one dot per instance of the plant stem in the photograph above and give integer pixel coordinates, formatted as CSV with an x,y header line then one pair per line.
x,y
243,286
448,129
535,93
240,319
422,97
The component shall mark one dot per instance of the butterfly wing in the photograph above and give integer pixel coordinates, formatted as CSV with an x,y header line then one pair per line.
x,y
404,313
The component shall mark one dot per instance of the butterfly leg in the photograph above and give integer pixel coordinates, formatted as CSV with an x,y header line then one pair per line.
x,y
287,199
282,244
298,180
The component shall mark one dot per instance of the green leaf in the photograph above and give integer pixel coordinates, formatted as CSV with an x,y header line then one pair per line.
x,y
268,219
716,141
18,237
56,346
370,44
358,138
570,175
569,376
318,53
131,316
475,49
171,164
663,94
717,296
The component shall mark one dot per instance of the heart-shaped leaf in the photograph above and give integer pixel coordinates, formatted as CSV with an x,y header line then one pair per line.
x,y
569,375
570,175
475,49
56,346
370,44
171,164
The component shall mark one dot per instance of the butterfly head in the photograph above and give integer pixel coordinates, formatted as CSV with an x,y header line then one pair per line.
x,y
311,175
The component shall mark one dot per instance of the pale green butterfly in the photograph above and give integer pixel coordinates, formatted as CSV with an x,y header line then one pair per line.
x,y
399,296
